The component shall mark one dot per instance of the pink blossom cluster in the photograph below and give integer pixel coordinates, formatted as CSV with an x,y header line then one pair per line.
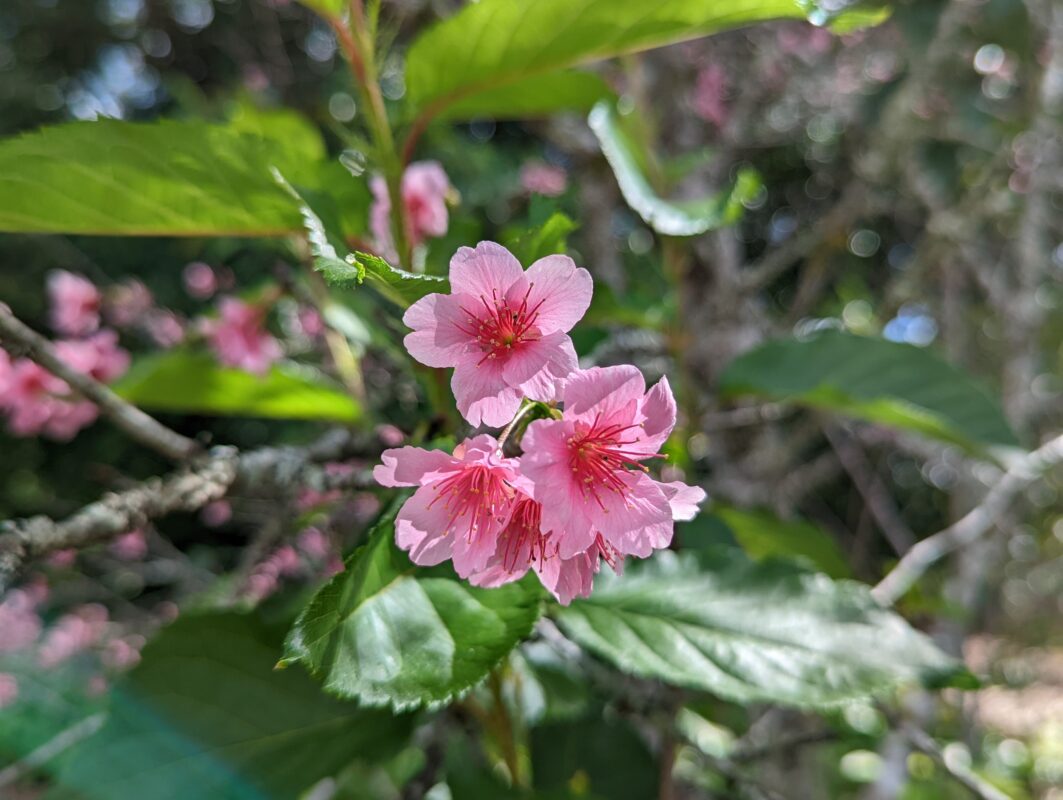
x,y
538,177
239,337
581,492
425,187
36,401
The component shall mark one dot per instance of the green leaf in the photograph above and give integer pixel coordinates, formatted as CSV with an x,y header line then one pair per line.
x,y
763,535
404,288
549,238
194,383
887,382
387,632
330,9
143,179
752,632
205,714
672,218
539,96
498,44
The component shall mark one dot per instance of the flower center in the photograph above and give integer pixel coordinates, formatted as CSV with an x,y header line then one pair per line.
x,y
598,460
476,497
498,326
524,540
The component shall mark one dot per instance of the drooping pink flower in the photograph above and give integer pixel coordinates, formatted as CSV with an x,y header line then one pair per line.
x,y
587,468
425,187
710,95
201,282
122,654
522,545
463,501
74,303
538,177
216,514
504,330
128,303
314,544
240,339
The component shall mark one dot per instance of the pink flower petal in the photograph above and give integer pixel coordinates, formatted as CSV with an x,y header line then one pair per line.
x,y
560,291
539,368
486,271
604,391
482,395
683,499
421,528
411,466
438,338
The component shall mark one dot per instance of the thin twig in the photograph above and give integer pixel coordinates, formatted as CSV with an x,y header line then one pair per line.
x,y
979,787
270,469
973,525
19,339
872,488
61,742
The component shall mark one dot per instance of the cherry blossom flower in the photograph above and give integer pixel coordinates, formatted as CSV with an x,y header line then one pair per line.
x,y
131,546
38,402
425,187
538,177
73,633
165,328
504,330
239,337
462,504
587,468
74,303
522,545
216,514
201,282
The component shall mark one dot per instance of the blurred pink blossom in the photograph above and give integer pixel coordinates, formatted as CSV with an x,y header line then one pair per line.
x,y
75,303
311,498
710,95
20,624
314,544
99,356
239,337
122,654
128,303
131,546
310,322
216,514
71,634
425,187
165,328
538,177
8,689
200,280
390,435
61,559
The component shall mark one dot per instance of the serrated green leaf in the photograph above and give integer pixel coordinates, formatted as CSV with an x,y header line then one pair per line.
x,y
672,218
404,288
752,632
494,45
143,179
194,383
205,714
887,382
388,633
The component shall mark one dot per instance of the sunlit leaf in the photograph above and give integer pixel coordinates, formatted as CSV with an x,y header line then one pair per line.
x,y
752,632
887,382
387,632
194,383
670,217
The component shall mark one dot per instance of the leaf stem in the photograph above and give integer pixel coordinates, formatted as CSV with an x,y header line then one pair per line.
x,y
504,728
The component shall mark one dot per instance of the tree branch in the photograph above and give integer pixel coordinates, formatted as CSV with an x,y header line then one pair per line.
x,y
225,470
973,525
924,742
19,339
